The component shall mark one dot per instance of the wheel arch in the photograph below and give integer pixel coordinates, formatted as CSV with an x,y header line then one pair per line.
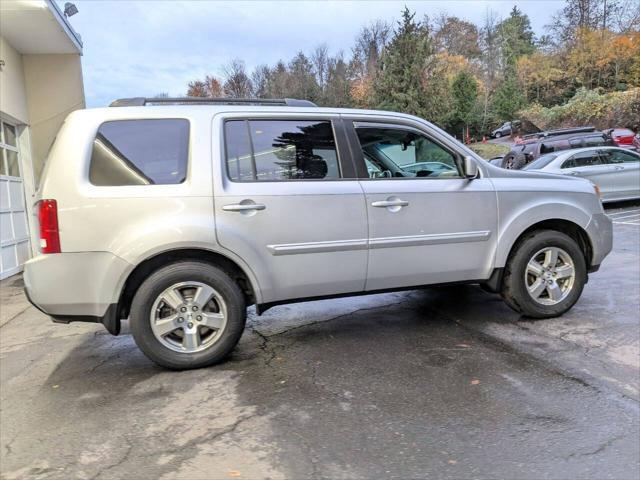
x,y
568,227
134,279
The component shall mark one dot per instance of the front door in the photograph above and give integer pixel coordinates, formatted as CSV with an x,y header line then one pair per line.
x,y
427,224
289,205
625,173
589,164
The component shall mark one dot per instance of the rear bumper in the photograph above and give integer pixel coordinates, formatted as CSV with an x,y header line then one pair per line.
x,y
77,286
600,231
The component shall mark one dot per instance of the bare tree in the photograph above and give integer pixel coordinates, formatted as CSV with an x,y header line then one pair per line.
x,y
260,80
237,83
370,43
320,59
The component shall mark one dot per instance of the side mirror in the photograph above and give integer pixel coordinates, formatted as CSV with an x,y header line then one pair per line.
x,y
469,167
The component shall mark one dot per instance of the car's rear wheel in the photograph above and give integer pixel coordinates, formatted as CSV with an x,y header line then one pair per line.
x,y
188,314
498,134
544,275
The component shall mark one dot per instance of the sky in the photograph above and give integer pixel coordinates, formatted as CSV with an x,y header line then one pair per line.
x,y
143,48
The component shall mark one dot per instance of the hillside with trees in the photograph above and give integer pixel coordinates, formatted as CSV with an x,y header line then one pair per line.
x,y
583,68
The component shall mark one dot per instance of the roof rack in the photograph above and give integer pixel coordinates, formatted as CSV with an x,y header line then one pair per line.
x,y
142,101
559,131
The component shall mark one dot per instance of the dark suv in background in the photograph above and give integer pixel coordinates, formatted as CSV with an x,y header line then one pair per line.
x,y
530,147
506,129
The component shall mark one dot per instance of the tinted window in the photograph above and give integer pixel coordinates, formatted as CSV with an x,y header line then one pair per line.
x,y
594,141
396,152
583,159
140,152
278,150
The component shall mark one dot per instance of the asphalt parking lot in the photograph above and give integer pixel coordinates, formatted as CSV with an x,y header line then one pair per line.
x,y
437,383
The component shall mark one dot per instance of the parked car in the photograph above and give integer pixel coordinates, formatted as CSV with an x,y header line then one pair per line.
x,y
178,216
615,171
533,146
636,142
506,129
621,137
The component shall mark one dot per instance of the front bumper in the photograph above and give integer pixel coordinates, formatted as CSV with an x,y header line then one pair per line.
x,y
77,286
600,231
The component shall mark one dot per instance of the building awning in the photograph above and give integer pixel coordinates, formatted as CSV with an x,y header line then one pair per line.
x,y
38,27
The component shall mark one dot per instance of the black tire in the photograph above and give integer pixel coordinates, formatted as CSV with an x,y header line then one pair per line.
x,y
185,271
514,289
498,135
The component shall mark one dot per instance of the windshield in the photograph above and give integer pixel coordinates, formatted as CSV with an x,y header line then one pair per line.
x,y
542,161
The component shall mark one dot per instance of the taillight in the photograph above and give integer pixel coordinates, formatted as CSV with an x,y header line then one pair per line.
x,y
49,232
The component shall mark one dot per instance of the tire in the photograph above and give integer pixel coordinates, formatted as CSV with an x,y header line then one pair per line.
x,y
498,135
191,343
518,275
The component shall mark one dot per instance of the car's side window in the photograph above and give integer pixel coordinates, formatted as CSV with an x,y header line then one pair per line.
x,y
280,150
140,152
583,159
617,156
396,152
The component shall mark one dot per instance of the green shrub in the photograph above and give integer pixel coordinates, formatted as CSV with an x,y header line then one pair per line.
x,y
589,107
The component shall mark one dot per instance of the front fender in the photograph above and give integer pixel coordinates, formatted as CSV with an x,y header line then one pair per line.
x,y
516,217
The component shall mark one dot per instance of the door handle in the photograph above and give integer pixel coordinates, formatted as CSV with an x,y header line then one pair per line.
x,y
618,168
243,207
575,174
390,203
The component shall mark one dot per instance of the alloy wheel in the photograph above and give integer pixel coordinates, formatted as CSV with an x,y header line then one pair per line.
x,y
550,276
188,317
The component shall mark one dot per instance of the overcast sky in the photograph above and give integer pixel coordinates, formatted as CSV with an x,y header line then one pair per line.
x,y
147,47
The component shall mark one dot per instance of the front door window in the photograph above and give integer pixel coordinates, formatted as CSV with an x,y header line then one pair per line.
x,y
404,153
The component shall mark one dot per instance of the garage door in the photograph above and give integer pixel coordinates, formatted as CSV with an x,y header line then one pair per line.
x,y
14,233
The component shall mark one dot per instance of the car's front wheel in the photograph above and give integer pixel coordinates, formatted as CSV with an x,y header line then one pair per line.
x,y
498,135
188,314
545,274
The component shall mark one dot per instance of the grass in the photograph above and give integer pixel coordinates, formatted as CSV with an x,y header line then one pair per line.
x,y
489,150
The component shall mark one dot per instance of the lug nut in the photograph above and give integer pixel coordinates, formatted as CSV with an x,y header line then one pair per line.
x,y
190,325
199,317
183,309
180,319
194,308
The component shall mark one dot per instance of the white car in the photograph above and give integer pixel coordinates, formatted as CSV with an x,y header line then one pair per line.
x,y
616,171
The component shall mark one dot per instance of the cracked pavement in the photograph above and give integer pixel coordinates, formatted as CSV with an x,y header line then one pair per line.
x,y
438,383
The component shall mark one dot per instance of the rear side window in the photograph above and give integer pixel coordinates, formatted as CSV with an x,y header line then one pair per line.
x,y
583,159
280,150
140,152
619,156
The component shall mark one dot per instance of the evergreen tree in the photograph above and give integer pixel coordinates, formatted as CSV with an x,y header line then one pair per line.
x,y
464,91
399,83
508,99
516,38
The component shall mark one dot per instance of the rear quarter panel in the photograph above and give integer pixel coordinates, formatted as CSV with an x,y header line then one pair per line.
x,y
132,222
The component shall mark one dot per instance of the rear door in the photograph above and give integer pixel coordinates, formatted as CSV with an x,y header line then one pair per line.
x,y
288,203
427,224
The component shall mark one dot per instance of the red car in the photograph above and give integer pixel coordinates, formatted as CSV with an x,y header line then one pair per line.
x,y
622,137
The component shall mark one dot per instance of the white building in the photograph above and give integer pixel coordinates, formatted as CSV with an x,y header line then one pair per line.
x,y
40,83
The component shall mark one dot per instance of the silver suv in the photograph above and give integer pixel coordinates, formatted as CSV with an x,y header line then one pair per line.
x,y
179,215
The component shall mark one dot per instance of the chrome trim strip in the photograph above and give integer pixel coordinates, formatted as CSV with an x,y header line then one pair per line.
x,y
433,239
382,242
318,247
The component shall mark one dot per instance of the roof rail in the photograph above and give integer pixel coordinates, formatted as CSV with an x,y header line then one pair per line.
x,y
142,101
560,131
